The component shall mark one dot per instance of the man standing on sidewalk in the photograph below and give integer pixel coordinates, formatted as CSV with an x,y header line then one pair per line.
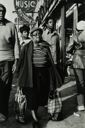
x,y
9,54
51,36
77,48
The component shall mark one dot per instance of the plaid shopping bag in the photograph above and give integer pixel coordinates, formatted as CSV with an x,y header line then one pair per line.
x,y
54,103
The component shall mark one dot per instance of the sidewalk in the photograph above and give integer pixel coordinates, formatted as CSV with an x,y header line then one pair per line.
x,y
68,93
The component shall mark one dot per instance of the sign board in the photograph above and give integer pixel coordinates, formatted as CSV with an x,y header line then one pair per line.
x,y
25,8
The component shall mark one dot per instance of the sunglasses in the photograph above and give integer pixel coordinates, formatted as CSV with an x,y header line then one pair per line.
x,y
78,30
37,34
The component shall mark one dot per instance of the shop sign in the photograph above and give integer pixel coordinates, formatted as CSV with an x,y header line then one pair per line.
x,y
24,8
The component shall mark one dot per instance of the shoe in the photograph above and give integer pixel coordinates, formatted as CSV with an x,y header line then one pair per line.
x,y
55,117
81,108
20,119
76,114
3,118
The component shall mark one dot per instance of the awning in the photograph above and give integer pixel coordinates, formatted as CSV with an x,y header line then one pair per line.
x,y
55,4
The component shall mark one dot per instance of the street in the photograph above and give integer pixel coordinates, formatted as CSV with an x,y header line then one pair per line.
x,y
68,93
36,38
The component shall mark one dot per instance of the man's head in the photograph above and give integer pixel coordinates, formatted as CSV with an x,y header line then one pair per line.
x,y
50,23
25,31
36,34
2,12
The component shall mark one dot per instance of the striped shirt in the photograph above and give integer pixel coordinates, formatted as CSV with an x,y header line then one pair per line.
x,y
40,57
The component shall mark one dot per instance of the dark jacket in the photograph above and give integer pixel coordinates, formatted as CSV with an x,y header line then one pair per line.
x,y
24,70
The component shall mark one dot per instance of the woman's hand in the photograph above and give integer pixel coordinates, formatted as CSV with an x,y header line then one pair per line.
x,y
14,66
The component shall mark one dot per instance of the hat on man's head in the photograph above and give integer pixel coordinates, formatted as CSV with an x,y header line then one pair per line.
x,y
81,25
36,29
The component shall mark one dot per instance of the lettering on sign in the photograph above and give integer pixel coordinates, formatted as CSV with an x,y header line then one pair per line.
x,y
25,8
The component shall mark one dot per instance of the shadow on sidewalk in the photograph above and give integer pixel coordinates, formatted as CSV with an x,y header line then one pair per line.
x,y
69,106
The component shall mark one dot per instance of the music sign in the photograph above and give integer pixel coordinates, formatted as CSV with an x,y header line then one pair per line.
x,y
24,8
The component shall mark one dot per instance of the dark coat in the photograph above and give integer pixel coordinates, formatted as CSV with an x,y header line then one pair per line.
x,y
24,70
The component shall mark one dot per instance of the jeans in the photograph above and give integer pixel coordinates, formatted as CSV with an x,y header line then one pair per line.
x,y
80,81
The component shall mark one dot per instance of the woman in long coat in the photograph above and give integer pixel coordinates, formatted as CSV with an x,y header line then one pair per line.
x,y
34,69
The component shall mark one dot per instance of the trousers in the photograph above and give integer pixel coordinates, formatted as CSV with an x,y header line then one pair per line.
x,y
38,95
5,85
80,80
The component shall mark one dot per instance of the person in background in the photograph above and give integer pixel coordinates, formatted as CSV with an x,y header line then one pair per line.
x,y
51,36
77,48
9,55
24,30
34,69
23,40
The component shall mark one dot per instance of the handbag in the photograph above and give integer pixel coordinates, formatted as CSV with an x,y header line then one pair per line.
x,y
54,104
20,105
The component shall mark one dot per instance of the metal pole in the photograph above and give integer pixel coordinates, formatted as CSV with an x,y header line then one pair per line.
x,y
75,18
63,40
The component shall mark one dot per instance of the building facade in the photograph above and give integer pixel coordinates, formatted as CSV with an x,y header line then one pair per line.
x,y
66,13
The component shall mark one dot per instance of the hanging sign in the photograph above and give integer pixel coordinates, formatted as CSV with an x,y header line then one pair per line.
x,y
25,8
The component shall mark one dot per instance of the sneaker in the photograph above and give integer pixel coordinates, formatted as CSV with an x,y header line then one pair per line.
x,y
81,108
76,114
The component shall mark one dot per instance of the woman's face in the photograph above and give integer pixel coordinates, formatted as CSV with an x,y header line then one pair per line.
x,y
24,34
36,36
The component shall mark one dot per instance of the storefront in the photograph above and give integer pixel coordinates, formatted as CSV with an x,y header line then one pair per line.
x,y
66,13
55,9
